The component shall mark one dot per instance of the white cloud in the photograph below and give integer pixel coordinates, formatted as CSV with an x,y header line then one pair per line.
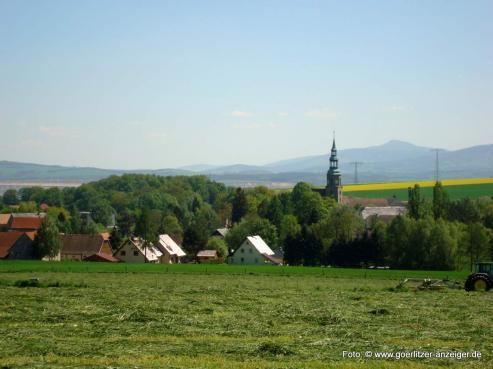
x,y
240,114
58,131
324,113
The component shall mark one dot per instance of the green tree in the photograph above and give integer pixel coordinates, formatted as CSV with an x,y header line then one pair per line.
x,y
440,201
122,230
218,244
416,202
293,249
252,226
308,205
47,239
289,227
274,211
343,224
312,247
61,217
441,247
240,205
147,226
28,207
171,226
10,197
465,211
398,241
476,242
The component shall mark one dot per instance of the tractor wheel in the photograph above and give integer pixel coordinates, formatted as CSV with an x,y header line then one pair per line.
x,y
477,282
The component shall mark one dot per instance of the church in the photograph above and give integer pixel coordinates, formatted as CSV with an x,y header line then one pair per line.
x,y
334,186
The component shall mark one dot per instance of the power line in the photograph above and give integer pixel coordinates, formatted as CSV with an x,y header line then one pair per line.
x,y
356,163
437,164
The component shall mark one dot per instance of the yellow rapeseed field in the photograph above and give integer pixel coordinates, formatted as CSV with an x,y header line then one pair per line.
x,y
398,185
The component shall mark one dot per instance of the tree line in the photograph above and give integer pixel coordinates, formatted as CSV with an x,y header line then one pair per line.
x,y
308,228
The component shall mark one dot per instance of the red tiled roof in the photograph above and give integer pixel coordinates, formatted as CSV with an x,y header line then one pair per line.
x,y
26,223
4,219
352,201
7,240
81,243
100,256
31,235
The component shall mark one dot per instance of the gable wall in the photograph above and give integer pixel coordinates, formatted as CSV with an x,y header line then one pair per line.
x,y
247,254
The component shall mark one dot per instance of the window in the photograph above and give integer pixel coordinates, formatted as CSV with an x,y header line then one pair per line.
x,y
123,253
256,261
136,253
251,250
242,251
242,260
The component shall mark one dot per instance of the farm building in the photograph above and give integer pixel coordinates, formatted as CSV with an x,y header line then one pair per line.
x,y
101,257
81,246
16,245
255,251
384,213
4,222
171,252
206,256
220,232
133,251
24,222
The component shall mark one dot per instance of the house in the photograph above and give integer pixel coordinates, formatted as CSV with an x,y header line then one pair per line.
x,y
25,222
133,251
384,213
4,222
207,256
101,257
16,245
221,232
254,251
171,252
81,246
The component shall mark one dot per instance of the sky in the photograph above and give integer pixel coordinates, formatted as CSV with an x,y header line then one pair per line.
x,y
159,84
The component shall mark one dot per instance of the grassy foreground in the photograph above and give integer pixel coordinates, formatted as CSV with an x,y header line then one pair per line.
x,y
223,319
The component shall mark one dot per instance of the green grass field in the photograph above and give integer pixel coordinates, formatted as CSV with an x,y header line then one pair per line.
x,y
454,192
217,316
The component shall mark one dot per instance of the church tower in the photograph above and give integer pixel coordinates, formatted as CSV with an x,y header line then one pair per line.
x,y
334,187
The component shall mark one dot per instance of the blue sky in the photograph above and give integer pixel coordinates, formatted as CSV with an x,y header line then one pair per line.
x,y
154,84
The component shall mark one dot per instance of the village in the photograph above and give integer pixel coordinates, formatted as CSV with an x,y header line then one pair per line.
x,y
18,232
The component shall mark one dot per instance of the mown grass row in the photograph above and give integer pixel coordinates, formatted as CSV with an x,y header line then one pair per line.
x,y
216,321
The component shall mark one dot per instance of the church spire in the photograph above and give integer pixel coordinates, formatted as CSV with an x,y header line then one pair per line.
x,y
334,185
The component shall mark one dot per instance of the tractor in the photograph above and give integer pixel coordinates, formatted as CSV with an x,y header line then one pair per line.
x,y
481,279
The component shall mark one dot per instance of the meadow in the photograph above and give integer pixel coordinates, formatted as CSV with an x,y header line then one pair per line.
x,y
456,188
90,315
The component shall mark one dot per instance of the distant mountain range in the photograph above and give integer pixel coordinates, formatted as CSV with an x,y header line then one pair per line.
x,y
393,161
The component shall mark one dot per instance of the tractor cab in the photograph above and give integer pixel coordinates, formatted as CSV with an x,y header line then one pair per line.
x,y
486,268
481,279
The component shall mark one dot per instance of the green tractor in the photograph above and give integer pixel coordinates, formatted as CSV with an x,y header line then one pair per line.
x,y
481,279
